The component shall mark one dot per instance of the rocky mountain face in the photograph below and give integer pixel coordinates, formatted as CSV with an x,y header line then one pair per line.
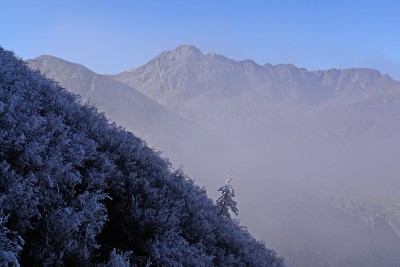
x,y
185,73
209,88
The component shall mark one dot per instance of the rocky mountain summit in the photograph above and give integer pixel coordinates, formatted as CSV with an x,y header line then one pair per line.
x,y
185,73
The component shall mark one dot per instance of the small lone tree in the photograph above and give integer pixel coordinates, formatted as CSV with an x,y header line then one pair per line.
x,y
225,202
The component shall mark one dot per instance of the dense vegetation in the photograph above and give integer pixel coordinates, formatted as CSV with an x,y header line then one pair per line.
x,y
76,190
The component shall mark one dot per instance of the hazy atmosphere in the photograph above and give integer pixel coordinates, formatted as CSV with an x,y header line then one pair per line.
x,y
298,101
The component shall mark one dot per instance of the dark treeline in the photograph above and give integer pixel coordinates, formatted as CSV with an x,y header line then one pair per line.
x,y
77,190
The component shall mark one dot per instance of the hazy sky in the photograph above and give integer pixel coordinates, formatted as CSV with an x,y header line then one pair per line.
x,y
112,36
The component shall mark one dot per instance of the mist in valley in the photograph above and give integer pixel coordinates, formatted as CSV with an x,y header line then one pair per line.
x,y
313,155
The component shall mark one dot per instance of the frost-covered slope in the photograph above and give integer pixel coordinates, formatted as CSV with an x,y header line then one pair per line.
x,y
131,109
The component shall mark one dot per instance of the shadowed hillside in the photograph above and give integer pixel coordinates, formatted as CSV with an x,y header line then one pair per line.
x,y
76,190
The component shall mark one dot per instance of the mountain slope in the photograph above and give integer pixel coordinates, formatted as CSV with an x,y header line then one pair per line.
x,y
76,190
221,93
186,73
127,107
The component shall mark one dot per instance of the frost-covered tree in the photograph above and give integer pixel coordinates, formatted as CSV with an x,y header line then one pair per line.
x,y
225,202
10,245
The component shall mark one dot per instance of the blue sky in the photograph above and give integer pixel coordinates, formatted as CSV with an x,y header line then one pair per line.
x,y
112,36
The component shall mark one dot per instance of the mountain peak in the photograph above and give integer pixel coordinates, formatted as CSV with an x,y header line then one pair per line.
x,y
188,49
183,51
53,59
43,57
46,62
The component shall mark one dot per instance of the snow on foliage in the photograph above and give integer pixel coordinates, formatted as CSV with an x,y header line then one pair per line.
x,y
226,202
75,190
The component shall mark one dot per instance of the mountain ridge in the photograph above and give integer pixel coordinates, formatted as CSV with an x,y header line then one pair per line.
x,y
184,73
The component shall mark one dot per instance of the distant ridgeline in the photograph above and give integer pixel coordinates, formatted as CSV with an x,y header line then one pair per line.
x,y
76,190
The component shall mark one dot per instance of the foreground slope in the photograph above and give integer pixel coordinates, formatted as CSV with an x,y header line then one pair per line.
x,y
76,190
127,107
